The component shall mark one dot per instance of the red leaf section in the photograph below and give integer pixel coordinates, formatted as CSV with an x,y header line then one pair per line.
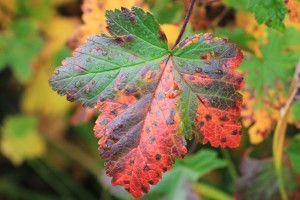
x,y
218,113
138,134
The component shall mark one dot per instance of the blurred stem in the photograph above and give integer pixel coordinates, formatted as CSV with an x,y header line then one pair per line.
x,y
48,178
280,131
76,154
186,20
232,170
210,192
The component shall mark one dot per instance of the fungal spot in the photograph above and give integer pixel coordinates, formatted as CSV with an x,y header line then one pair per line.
x,y
56,71
223,140
165,169
114,112
151,182
224,118
207,62
78,84
103,122
129,173
208,117
234,132
131,162
146,168
151,140
129,38
198,70
104,53
157,157
219,72
213,103
108,143
88,60
203,56
170,120
88,90
144,189
201,124
126,182
148,130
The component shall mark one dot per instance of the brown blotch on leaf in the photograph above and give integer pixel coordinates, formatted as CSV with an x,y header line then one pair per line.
x,y
234,132
114,112
151,140
224,118
157,157
165,169
201,124
129,173
126,182
151,182
146,168
223,140
131,162
208,117
144,189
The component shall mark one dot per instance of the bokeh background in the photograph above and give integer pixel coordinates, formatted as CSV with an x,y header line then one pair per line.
x,y
47,146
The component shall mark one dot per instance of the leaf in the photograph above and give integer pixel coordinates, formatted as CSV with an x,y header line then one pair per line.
x,y
20,132
270,12
93,19
149,95
22,43
186,171
293,7
258,180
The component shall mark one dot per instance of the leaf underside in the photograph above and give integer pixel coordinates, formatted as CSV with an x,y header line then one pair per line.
x,y
149,97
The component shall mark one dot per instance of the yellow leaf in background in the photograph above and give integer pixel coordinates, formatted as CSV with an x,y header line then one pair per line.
x,y
262,117
94,18
39,97
248,23
61,2
20,139
57,31
171,32
7,11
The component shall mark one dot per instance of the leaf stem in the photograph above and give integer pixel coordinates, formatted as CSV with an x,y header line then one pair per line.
x,y
211,192
232,170
186,20
280,132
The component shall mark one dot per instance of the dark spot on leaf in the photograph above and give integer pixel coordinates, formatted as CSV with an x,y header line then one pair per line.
x,y
170,120
151,182
129,173
223,140
201,124
148,130
104,122
144,189
234,132
126,182
146,168
165,169
157,157
224,118
131,162
114,112
208,117
203,56
151,140
154,123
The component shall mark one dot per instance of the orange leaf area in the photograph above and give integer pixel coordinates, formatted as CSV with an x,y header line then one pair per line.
x,y
261,115
293,7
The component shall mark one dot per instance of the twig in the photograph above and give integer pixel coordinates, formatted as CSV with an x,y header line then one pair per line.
x,y
186,20
280,131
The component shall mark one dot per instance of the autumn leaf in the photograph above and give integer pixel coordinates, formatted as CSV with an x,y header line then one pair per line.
x,y
150,96
293,7
19,131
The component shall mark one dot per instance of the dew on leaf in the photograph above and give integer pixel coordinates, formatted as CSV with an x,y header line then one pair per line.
x,y
78,84
56,71
104,53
